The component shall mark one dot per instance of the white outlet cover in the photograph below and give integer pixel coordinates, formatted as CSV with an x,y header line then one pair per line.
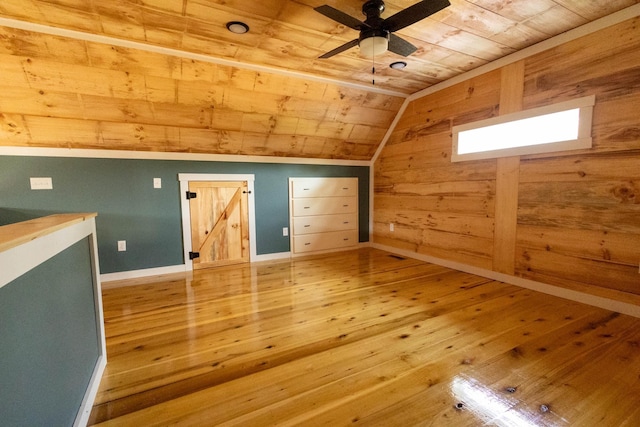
x,y
157,182
41,183
122,245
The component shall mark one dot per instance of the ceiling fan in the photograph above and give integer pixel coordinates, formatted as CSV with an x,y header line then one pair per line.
x,y
376,34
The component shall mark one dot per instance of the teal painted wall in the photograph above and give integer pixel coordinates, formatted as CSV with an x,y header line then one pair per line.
x,y
48,340
129,208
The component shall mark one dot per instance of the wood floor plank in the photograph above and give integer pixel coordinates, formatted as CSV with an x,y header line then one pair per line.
x,y
456,356
510,387
230,359
377,353
360,337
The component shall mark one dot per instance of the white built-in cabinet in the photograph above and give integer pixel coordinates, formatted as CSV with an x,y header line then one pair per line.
x,y
323,214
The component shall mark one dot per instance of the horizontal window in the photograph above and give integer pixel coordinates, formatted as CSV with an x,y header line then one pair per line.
x,y
557,127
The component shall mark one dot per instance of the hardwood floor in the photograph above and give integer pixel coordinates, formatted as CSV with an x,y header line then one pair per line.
x,y
364,338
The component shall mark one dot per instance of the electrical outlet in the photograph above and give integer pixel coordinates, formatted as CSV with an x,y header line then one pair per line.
x,y
391,226
41,183
157,182
122,245
285,231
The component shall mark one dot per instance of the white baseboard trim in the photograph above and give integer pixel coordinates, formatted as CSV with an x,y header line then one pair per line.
x,y
136,274
582,297
271,257
285,255
172,269
182,268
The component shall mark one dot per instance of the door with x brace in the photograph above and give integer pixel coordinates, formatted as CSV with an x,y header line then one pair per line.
x,y
219,223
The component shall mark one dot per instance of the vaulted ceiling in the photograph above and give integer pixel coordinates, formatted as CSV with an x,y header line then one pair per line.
x,y
167,75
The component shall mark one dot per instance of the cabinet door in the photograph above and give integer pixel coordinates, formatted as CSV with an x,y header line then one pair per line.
x,y
324,206
324,187
324,223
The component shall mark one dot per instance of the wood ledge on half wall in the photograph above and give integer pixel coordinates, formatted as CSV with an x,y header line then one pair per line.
x,y
13,235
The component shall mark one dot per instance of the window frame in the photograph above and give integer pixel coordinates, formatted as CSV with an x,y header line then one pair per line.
x,y
584,140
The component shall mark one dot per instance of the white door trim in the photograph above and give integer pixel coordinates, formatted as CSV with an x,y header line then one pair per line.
x,y
184,179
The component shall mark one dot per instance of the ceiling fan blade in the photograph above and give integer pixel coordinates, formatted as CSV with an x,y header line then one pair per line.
x,y
339,49
340,17
400,46
413,14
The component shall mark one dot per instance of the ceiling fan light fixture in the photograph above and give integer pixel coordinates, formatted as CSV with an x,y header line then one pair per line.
x,y
377,33
398,65
237,27
373,46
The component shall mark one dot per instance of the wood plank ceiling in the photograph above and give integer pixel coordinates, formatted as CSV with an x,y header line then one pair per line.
x,y
261,93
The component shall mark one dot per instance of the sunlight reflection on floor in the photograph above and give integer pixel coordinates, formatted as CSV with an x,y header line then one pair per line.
x,y
499,407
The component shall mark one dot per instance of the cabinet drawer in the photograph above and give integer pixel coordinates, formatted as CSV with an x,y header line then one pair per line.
x,y
325,206
324,223
325,241
324,187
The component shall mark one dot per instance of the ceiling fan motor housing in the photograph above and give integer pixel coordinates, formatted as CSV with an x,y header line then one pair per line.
x,y
372,10
373,40
373,32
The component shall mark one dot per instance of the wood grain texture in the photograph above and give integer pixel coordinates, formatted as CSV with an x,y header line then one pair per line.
x,y
291,35
13,235
67,90
570,219
579,201
219,223
438,208
362,336
504,243
507,175
97,96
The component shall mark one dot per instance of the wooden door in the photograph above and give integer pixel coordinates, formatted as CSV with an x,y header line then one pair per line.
x,y
219,223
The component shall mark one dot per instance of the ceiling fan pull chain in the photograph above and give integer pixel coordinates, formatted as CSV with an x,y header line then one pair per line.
x,y
373,70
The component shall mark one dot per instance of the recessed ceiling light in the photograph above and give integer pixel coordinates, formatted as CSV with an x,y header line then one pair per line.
x,y
399,65
237,27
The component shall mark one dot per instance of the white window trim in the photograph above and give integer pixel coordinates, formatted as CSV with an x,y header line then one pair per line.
x,y
584,133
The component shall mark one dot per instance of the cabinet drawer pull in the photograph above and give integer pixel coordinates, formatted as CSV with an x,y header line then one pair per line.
x,y
345,206
305,189
345,239
345,188
306,207
307,225
346,222
307,244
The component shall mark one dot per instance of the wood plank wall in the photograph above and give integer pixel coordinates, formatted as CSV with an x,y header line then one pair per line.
x,y
577,217
62,92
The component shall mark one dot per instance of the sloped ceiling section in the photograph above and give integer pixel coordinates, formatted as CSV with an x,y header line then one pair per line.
x,y
61,92
261,93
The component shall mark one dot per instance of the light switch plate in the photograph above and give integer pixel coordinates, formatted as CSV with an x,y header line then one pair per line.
x,y
41,183
285,231
157,182
122,245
